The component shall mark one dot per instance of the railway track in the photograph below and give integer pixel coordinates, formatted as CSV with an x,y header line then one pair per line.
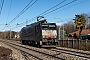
x,y
52,54
72,52
83,55
37,55
25,56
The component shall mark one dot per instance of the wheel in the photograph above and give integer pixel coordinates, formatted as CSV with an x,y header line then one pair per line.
x,y
22,41
38,44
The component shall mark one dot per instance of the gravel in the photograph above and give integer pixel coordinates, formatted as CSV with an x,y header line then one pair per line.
x,y
15,53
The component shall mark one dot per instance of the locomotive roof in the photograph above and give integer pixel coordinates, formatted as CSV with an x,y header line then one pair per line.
x,y
42,21
49,23
39,22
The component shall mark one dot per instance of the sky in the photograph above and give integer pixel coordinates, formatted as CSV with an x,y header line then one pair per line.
x,y
58,14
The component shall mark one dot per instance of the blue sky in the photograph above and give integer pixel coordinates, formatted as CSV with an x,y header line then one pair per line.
x,y
64,13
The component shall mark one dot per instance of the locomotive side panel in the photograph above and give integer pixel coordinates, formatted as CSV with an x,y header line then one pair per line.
x,y
32,33
38,32
28,33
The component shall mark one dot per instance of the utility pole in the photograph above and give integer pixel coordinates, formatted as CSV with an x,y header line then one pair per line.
x,y
10,33
59,33
63,26
3,29
9,30
26,22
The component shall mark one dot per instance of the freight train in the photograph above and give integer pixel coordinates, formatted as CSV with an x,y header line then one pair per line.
x,y
40,34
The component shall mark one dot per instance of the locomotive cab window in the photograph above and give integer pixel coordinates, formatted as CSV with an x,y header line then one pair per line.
x,y
44,26
49,27
52,27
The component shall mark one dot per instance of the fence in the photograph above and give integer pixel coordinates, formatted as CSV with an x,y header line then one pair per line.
x,y
75,44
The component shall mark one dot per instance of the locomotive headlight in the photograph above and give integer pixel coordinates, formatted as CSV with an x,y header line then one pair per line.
x,y
56,40
55,36
44,36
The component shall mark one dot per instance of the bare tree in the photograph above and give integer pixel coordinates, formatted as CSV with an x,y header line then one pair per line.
x,y
69,27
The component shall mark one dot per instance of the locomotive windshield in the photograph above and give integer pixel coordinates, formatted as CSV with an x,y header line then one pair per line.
x,y
52,27
44,26
49,26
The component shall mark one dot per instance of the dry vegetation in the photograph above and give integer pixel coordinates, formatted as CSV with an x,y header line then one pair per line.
x,y
5,54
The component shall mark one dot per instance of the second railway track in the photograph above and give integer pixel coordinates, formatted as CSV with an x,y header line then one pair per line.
x,y
71,52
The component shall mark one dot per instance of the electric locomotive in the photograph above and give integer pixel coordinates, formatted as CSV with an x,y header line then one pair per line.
x,y
40,33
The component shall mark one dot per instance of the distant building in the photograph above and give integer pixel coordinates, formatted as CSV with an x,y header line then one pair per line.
x,y
61,34
17,36
84,31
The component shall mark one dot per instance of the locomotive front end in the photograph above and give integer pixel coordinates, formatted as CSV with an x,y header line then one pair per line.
x,y
49,34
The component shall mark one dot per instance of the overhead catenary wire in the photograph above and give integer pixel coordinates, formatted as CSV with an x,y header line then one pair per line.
x,y
53,7
9,11
46,12
59,7
2,2
70,6
23,10
20,12
27,7
59,11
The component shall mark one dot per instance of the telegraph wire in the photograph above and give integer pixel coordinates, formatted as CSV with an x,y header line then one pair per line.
x,y
2,2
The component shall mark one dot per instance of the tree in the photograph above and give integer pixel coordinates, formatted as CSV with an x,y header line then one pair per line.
x,y
87,21
80,22
69,27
